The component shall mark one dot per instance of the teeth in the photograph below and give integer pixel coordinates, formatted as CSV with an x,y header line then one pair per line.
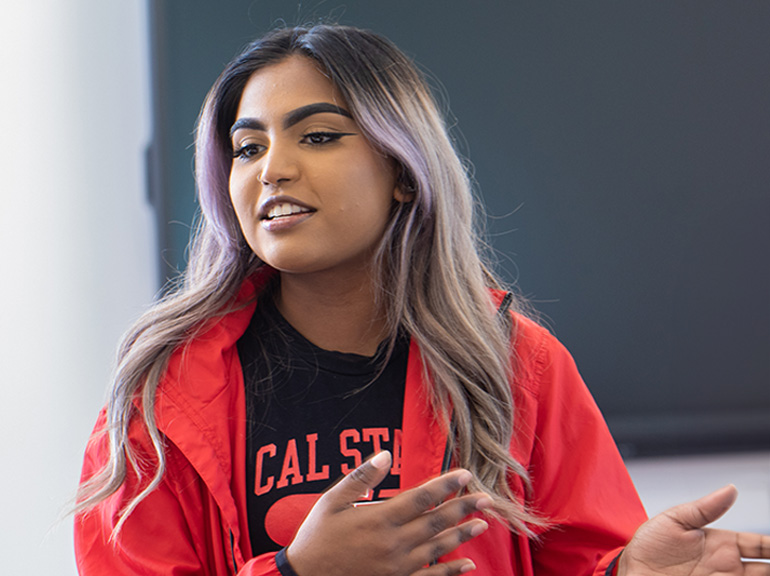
x,y
284,210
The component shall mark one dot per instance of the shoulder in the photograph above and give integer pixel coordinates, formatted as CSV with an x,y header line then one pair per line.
x,y
200,364
542,365
540,361
533,347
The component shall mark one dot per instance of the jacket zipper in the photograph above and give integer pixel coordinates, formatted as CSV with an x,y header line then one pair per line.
x,y
232,553
502,312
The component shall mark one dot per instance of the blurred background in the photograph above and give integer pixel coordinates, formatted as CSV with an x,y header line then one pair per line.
x,y
621,150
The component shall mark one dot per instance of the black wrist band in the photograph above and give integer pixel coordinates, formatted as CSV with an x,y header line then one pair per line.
x,y
282,563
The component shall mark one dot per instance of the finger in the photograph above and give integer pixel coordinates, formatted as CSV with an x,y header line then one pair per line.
x,y
753,545
756,569
452,568
697,514
359,481
415,502
446,515
448,540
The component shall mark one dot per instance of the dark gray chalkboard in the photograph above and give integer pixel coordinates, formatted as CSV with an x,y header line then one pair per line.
x,y
623,153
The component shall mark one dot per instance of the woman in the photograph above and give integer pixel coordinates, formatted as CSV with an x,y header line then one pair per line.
x,y
336,305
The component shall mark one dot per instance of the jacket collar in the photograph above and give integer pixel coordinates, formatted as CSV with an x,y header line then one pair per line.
x,y
201,407
202,410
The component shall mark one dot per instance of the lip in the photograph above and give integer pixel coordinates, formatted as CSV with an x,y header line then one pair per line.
x,y
283,222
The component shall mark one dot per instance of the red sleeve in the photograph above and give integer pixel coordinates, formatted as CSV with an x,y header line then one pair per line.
x,y
262,565
174,531
580,484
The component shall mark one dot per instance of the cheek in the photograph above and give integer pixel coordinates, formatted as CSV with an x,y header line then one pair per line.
x,y
239,199
375,182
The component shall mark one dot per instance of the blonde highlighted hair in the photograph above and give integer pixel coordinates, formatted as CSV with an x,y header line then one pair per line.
x,y
432,277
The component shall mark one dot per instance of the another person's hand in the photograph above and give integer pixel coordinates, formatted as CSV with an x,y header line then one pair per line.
x,y
677,543
398,537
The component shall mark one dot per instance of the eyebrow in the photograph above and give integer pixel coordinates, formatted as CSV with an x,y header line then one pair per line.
x,y
293,117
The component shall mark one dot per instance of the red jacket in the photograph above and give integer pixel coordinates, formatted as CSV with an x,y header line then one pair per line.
x,y
195,522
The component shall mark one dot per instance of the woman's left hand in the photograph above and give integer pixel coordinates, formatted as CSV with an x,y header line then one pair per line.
x,y
677,543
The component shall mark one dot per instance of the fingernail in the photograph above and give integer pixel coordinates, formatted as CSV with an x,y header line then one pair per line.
x,y
467,567
479,529
483,502
464,478
381,460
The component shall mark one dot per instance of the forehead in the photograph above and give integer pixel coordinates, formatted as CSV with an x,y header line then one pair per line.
x,y
279,88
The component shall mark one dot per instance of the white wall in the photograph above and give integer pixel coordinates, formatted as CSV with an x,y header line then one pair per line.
x,y
77,249
665,482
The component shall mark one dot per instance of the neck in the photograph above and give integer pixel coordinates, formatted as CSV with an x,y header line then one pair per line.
x,y
333,312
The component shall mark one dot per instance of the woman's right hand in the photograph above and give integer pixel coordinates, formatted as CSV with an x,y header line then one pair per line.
x,y
398,537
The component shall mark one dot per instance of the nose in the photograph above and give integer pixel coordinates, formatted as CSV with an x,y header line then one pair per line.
x,y
279,166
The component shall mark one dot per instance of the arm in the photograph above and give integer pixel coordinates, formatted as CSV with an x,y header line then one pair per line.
x,y
155,541
176,530
580,484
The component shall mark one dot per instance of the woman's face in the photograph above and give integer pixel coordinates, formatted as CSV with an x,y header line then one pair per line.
x,y
310,192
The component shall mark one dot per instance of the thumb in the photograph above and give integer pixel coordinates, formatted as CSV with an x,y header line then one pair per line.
x,y
697,514
359,481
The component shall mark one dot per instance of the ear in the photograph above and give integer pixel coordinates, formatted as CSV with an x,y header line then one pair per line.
x,y
399,195
405,190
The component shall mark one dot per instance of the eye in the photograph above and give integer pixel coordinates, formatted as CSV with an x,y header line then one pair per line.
x,y
321,138
248,151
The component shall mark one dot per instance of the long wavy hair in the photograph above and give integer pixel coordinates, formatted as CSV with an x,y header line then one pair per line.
x,y
431,275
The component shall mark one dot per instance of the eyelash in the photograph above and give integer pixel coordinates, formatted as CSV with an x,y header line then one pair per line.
x,y
250,150
247,151
329,137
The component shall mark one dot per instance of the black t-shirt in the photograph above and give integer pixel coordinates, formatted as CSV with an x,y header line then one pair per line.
x,y
313,415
